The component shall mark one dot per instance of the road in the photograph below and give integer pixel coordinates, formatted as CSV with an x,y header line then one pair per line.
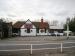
x,y
17,48
15,45
22,48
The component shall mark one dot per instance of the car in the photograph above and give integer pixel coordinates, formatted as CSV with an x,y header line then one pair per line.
x,y
15,34
53,34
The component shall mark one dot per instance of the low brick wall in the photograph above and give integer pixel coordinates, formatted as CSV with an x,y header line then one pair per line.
x,y
44,38
39,38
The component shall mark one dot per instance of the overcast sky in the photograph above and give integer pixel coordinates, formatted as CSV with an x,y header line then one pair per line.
x,y
35,9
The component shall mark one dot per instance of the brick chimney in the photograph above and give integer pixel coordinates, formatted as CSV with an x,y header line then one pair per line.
x,y
42,20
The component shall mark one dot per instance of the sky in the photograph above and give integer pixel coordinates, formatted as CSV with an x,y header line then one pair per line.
x,y
14,10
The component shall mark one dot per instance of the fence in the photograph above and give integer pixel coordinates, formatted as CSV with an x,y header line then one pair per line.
x,y
44,46
59,46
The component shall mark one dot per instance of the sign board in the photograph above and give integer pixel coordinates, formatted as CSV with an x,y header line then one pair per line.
x,y
68,20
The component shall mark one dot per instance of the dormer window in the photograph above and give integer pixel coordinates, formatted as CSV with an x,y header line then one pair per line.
x,y
28,26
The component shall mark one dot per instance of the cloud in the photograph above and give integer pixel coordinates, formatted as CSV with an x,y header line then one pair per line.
x,y
62,13
10,15
49,9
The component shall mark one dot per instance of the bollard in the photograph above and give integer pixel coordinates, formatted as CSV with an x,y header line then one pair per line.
x,y
61,48
31,49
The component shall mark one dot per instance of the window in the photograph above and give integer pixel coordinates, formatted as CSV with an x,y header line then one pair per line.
x,y
25,30
31,30
28,25
28,30
42,30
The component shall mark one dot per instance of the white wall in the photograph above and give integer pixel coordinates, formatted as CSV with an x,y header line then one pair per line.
x,y
32,33
43,33
24,33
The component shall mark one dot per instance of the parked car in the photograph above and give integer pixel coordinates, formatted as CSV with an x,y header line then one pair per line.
x,y
15,34
53,34
56,34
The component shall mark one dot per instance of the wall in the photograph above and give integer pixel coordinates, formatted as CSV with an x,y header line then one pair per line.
x,y
23,30
32,33
43,33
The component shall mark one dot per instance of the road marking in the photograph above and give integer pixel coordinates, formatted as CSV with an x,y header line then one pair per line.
x,y
69,47
27,44
15,50
68,42
29,41
37,49
35,44
13,44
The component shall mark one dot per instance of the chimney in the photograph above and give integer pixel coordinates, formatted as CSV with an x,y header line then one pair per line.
x,y
42,20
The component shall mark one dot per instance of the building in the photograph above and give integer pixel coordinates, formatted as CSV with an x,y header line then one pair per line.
x,y
30,28
5,29
56,30
9,24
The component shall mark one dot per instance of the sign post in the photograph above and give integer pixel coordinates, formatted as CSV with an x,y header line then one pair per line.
x,y
68,20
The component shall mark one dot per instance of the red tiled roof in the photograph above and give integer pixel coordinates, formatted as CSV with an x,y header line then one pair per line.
x,y
18,24
41,25
37,24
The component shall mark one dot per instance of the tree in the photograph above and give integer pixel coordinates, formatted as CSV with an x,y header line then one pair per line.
x,y
1,28
71,25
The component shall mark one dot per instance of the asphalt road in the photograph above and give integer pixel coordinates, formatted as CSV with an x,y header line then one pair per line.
x,y
22,48
13,45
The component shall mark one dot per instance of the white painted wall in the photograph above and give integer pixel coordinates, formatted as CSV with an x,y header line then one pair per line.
x,y
32,33
24,33
43,33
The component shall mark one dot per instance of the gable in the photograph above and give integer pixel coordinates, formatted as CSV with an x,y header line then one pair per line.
x,y
28,24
